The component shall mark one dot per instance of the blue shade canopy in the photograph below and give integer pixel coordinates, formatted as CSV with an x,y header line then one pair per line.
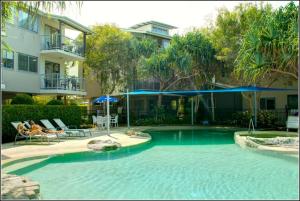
x,y
103,99
196,92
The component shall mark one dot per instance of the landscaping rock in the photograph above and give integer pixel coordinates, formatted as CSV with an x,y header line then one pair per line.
x,y
276,141
103,145
16,187
137,134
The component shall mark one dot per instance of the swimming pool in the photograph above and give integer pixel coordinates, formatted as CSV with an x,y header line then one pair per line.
x,y
178,164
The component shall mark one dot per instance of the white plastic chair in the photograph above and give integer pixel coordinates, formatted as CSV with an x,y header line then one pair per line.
x,y
105,120
114,121
292,122
100,121
94,120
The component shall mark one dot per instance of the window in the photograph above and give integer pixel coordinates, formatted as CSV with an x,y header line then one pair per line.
x,y
27,62
8,59
160,30
28,21
292,101
267,103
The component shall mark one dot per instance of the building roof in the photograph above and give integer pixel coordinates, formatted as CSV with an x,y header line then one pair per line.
x,y
67,21
153,23
148,33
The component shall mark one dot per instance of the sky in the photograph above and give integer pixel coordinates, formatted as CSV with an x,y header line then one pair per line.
x,y
182,14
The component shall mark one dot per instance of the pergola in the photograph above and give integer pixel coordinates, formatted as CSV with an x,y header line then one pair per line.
x,y
193,93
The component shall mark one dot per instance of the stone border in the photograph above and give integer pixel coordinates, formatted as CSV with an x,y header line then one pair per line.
x,y
244,142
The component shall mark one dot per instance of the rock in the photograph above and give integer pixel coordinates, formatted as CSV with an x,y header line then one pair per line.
x,y
137,134
275,140
16,187
103,145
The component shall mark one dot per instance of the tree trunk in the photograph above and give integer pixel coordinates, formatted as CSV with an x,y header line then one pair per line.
x,y
159,100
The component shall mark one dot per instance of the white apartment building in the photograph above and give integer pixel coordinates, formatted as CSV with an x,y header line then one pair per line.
x,y
41,59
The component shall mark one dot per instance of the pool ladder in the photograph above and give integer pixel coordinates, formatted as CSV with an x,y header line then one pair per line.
x,y
251,126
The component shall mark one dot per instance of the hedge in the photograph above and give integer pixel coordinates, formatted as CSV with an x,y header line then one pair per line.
x,y
70,115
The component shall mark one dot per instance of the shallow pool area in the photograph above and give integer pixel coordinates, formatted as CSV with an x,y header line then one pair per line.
x,y
176,164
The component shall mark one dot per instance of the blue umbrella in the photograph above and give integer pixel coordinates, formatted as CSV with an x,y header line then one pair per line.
x,y
103,99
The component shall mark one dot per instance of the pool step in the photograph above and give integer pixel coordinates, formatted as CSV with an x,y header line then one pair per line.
x,y
22,164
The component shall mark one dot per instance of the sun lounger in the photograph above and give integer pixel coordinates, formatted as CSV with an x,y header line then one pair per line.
x,y
61,124
49,126
292,122
26,137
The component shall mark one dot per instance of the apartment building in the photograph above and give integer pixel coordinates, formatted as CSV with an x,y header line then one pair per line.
x,y
154,30
44,55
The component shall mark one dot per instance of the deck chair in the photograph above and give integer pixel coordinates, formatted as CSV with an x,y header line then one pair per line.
x,y
292,122
61,124
26,137
50,126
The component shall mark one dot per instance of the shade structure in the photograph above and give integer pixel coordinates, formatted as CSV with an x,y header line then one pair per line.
x,y
202,91
103,99
250,88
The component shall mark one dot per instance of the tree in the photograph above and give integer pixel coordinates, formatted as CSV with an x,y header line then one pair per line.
x,y
229,28
107,56
270,47
186,62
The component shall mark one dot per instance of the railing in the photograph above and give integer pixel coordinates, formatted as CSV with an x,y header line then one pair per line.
x,y
56,81
54,41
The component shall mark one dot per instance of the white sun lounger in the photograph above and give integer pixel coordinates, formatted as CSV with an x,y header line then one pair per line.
x,y
61,124
292,122
49,126
26,137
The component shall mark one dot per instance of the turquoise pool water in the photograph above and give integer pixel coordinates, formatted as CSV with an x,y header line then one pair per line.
x,y
187,164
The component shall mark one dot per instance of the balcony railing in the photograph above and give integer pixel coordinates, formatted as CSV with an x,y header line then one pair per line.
x,y
58,82
54,41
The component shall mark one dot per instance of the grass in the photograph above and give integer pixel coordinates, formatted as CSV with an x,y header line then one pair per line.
x,y
270,134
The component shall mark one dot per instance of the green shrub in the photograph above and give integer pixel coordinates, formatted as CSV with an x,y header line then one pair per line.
x,y
23,99
266,119
55,102
241,118
72,102
70,115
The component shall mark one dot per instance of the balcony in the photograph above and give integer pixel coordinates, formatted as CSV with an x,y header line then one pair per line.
x,y
56,83
62,46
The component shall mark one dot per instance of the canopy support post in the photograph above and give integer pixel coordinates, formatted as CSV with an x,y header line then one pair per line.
x,y
212,106
255,110
107,110
128,122
192,110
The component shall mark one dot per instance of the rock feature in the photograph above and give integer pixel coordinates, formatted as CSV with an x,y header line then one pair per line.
x,y
137,134
103,145
18,187
279,141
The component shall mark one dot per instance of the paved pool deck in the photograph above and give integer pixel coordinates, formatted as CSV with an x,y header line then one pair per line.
x,y
23,150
